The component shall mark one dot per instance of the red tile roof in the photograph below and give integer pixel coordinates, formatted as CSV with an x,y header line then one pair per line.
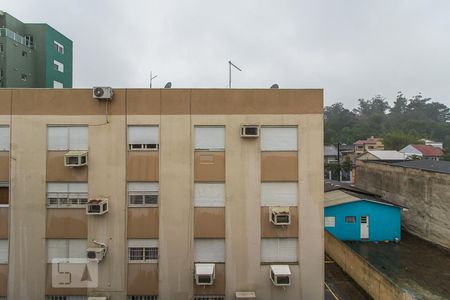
x,y
428,150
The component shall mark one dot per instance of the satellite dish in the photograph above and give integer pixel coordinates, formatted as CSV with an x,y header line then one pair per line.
x,y
168,85
275,86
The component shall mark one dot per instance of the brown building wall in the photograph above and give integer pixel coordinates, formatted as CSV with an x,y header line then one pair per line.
x,y
209,166
66,223
4,222
142,279
218,287
143,223
3,280
209,222
269,230
56,171
50,291
143,166
4,166
279,166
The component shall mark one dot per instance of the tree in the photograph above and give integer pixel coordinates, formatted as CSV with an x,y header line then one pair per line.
x,y
398,140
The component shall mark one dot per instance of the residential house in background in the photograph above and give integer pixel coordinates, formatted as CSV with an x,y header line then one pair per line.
x,y
33,55
432,143
331,159
353,214
382,155
423,151
372,143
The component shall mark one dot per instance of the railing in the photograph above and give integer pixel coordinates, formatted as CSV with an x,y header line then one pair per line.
x,y
66,200
26,41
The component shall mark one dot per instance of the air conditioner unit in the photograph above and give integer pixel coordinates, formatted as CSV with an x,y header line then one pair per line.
x,y
204,274
280,275
96,254
250,131
245,295
102,93
97,207
76,158
280,215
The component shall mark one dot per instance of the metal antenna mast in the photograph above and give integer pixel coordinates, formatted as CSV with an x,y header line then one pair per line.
x,y
151,78
229,72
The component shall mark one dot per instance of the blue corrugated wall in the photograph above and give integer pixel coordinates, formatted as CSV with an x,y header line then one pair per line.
x,y
384,221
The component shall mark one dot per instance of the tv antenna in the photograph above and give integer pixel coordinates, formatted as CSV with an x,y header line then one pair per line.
x,y
151,78
230,64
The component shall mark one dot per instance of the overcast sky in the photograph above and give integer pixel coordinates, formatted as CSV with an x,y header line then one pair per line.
x,y
351,48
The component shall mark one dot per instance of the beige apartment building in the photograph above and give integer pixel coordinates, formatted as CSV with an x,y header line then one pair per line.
x,y
168,193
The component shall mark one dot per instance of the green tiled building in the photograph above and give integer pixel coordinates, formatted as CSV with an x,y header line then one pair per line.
x,y
33,55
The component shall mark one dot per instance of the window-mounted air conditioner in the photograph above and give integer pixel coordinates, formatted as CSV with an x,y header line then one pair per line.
x,y
76,159
280,275
97,207
245,295
280,215
204,274
250,131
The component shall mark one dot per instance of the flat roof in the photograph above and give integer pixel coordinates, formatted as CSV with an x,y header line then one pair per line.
x,y
425,164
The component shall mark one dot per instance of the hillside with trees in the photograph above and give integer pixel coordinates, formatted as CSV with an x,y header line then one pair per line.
x,y
403,123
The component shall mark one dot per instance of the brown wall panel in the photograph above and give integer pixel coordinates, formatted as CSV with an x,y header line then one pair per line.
x,y
209,166
5,101
4,222
143,101
4,166
142,279
175,102
269,230
279,166
218,288
143,222
143,166
3,280
56,171
66,223
50,291
209,222
4,195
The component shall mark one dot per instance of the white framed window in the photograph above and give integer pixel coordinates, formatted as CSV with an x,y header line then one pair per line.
x,y
210,138
209,250
58,66
279,138
67,195
279,250
143,137
67,138
57,84
143,194
58,47
279,193
143,250
65,249
4,138
209,194
4,251
330,221
142,297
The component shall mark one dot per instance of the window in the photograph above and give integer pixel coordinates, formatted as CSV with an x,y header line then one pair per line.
x,y
209,194
24,53
350,219
24,77
67,195
142,297
209,297
4,251
279,193
65,249
143,194
1,48
330,222
68,138
142,250
57,85
143,137
4,138
4,193
209,250
66,298
281,138
279,250
58,47
210,138
58,66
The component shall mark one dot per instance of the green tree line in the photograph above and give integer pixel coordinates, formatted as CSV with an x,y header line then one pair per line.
x,y
402,123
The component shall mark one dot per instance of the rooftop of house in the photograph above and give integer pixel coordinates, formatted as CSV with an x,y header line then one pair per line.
x,y
428,150
371,140
428,165
387,154
329,150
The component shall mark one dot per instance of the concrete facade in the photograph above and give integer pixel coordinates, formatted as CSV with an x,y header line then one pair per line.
x,y
241,166
424,193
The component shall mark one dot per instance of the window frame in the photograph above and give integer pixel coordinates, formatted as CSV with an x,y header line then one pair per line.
x,y
64,199
5,129
143,146
264,144
58,47
347,218
68,146
143,194
211,149
153,254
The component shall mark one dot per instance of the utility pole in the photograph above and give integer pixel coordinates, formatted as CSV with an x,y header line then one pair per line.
x,y
229,72
151,78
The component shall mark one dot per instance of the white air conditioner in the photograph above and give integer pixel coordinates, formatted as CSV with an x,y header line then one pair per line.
x,y
96,254
250,131
204,274
280,275
245,295
103,93
76,158
280,215
97,207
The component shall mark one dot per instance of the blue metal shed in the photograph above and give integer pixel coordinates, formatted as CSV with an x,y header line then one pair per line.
x,y
352,216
